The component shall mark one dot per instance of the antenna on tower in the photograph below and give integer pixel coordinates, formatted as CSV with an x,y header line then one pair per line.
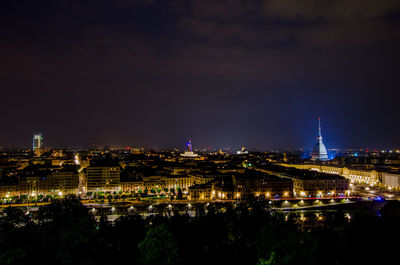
x,y
319,126
319,129
319,151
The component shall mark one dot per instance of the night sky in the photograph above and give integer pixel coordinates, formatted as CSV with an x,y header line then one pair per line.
x,y
154,73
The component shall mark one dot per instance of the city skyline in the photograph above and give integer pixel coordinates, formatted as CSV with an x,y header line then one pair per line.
x,y
170,132
307,150
226,73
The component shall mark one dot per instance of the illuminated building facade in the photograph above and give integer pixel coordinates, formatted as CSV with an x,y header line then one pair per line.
x,y
66,182
103,178
310,183
9,190
179,181
132,186
154,182
158,183
320,187
266,185
353,174
201,192
240,185
391,180
34,185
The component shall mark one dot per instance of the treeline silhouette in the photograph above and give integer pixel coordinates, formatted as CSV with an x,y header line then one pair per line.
x,y
65,232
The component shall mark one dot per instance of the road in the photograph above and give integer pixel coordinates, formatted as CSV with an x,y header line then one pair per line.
x,y
368,191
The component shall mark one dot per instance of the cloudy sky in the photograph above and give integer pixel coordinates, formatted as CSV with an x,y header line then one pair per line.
x,y
225,73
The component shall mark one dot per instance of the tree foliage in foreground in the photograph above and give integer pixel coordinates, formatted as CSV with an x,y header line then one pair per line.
x,y
65,232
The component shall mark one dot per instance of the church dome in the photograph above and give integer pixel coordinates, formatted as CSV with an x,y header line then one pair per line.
x,y
319,152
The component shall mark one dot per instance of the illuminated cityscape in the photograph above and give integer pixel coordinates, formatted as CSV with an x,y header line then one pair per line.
x,y
187,132
118,183
200,176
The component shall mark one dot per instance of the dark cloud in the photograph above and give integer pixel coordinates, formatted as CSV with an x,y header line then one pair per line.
x,y
225,73
333,10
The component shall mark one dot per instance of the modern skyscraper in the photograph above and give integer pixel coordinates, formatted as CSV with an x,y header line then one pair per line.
x,y
37,141
319,152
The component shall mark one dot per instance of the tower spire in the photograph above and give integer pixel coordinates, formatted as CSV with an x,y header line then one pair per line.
x,y
319,151
319,129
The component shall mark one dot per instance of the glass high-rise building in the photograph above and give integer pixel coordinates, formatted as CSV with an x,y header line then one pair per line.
x,y
37,141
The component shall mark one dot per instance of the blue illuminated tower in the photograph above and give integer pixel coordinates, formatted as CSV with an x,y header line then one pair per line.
x,y
189,145
189,152
319,152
